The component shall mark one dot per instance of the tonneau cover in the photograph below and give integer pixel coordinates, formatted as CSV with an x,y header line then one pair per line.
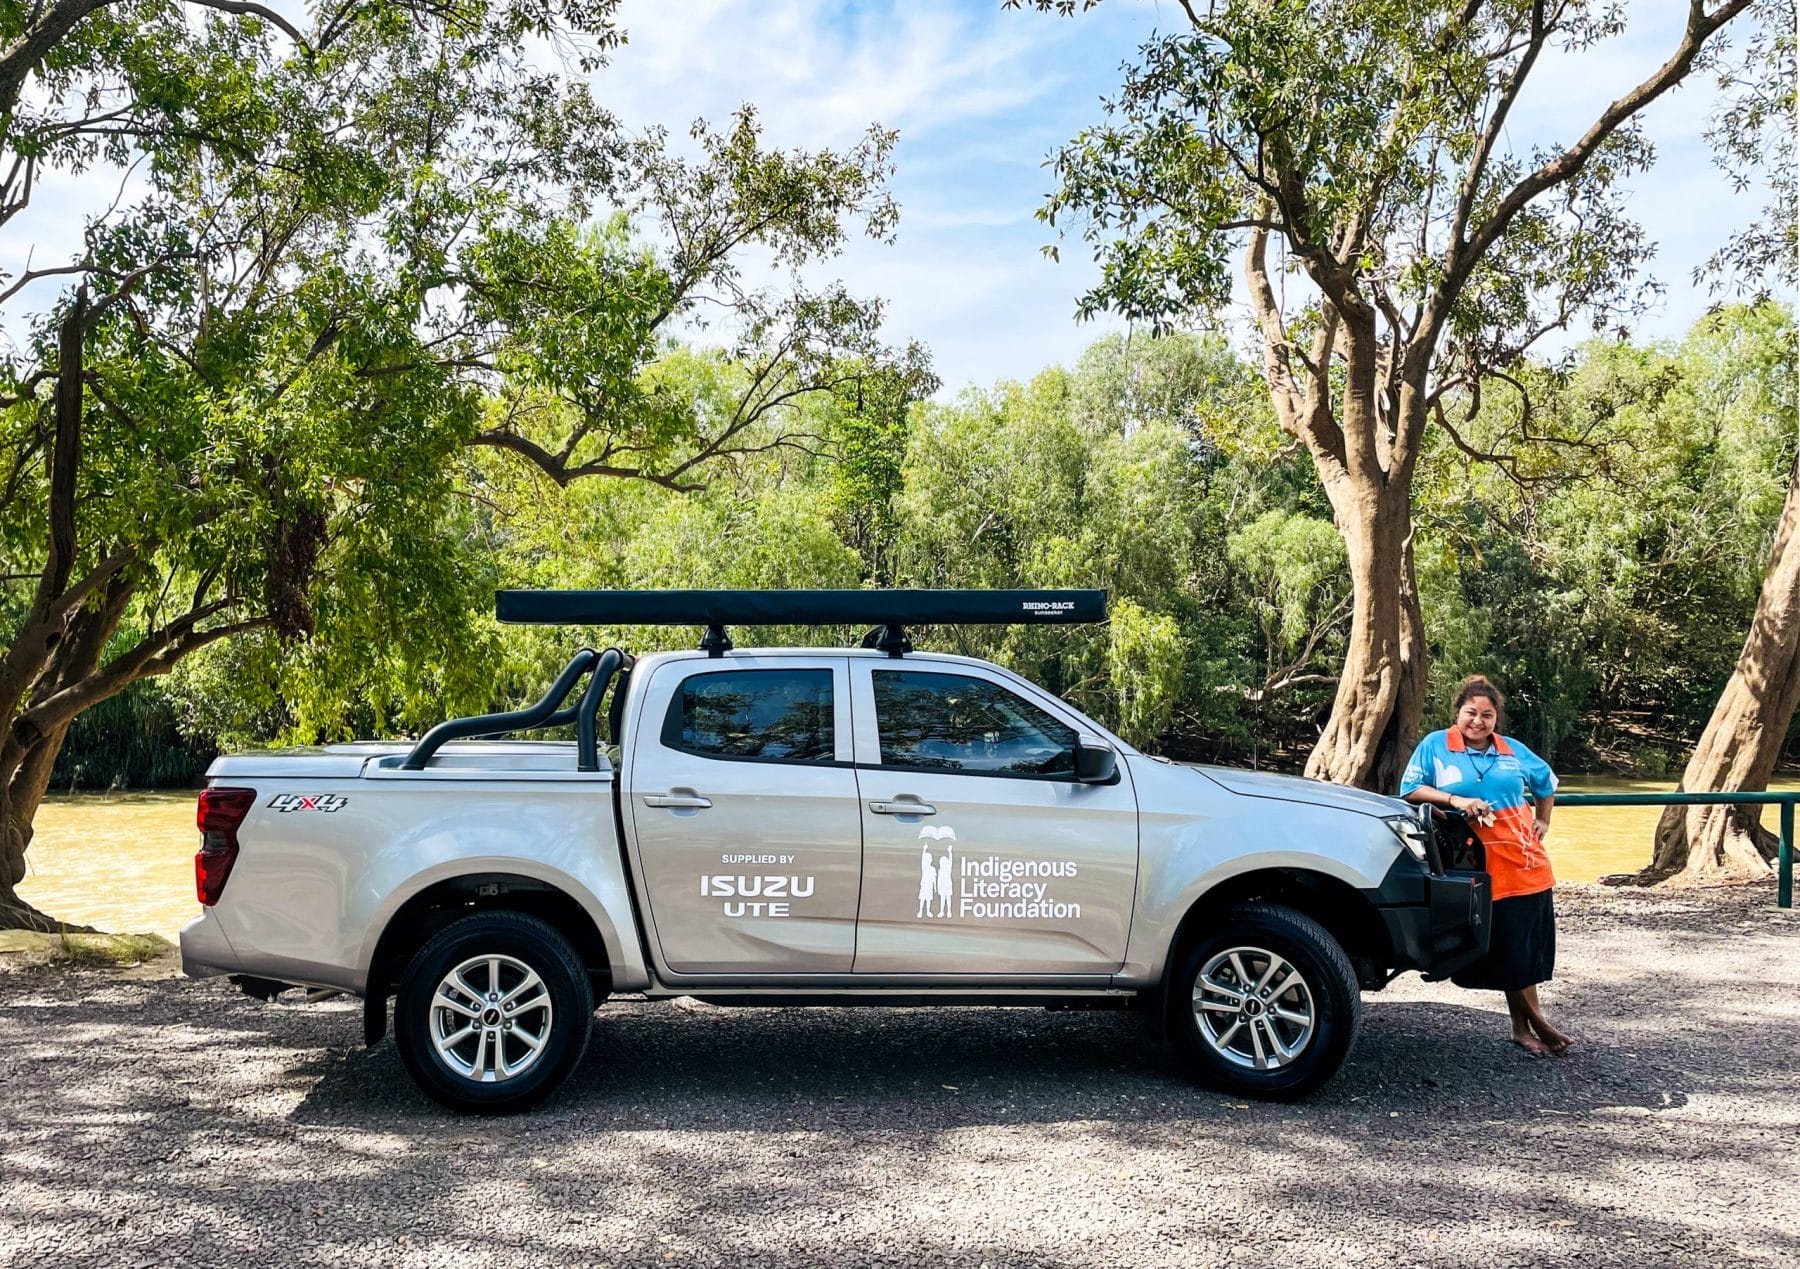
x,y
352,761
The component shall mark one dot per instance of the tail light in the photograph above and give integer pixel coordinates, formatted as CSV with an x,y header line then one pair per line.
x,y
220,813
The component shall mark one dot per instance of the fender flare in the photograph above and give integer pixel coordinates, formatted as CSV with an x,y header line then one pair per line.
x,y
451,869
1199,889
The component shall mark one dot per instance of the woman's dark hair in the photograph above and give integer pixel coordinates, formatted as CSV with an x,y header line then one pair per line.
x,y
1478,685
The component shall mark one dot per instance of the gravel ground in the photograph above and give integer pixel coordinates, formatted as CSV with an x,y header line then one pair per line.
x,y
152,1120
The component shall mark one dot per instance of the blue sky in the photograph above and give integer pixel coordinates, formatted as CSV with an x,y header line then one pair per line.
x,y
981,95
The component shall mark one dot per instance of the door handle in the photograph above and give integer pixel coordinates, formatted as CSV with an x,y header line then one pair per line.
x,y
678,798
903,807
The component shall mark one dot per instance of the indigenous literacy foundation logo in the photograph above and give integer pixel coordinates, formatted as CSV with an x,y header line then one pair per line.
x,y
989,888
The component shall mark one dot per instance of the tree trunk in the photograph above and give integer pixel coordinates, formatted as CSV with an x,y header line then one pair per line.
x,y
49,653
20,798
1743,738
1380,698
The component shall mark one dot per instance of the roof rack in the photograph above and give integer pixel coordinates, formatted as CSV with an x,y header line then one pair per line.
x,y
890,612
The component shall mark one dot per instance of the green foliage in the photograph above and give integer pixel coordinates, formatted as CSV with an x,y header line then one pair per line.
x,y
1614,593
1110,475
1357,131
66,950
1605,593
136,740
1145,663
391,286
1753,140
1292,573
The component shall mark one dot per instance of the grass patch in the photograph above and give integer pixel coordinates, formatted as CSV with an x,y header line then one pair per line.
x,y
84,951
108,951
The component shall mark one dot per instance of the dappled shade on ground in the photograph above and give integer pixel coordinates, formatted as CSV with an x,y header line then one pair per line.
x,y
166,1118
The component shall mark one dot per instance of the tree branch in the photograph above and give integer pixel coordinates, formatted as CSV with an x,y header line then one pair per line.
x,y
1277,353
243,7
559,471
1490,134
65,451
18,61
1564,166
156,653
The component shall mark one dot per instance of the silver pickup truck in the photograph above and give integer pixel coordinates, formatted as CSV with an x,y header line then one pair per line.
x,y
811,826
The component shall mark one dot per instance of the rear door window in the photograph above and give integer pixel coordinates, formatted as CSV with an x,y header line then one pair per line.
x,y
955,722
753,715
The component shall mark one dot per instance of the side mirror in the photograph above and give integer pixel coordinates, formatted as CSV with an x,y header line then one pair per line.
x,y
1096,762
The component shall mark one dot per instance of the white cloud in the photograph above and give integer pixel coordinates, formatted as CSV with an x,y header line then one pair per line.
x,y
979,96
820,72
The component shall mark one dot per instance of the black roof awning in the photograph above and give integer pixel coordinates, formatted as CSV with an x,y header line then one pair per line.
x,y
718,608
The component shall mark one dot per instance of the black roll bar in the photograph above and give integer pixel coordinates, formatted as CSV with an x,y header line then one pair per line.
x,y
600,665
587,743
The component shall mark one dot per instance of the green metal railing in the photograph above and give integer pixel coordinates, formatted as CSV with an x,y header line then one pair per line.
x,y
1784,885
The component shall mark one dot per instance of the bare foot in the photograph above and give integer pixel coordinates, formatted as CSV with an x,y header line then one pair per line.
x,y
1523,1037
1554,1041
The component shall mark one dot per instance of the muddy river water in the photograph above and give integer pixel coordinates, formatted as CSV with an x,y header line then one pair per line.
x,y
125,861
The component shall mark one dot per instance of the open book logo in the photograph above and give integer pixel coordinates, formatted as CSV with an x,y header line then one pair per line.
x,y
944,834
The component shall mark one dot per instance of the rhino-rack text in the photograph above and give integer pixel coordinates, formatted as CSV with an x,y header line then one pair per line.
x,y
285,802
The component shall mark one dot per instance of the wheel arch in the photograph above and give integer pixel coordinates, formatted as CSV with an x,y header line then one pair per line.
x,y
1347,915
435,904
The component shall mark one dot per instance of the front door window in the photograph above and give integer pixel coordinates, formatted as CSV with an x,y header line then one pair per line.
x,y
982,853
953,722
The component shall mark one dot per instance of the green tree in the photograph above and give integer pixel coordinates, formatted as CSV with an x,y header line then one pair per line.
x,y
1743,738
1367,141
1603,575
1754,137
1291,576
1089,478
358,258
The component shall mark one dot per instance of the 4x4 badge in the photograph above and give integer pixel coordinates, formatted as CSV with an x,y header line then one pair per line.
x,y
285,802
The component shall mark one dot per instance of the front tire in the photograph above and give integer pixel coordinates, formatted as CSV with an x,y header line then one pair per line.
x,y
493,1013
1264,1003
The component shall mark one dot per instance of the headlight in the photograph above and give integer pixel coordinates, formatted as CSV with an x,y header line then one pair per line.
x,y
1411,834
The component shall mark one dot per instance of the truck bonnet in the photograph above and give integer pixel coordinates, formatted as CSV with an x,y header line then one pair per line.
x,y
1284,788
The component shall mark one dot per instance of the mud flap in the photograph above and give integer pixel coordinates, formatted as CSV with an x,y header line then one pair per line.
x,y
374,1018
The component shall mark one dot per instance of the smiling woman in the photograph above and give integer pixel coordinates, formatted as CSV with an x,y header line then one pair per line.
x,y
1506,793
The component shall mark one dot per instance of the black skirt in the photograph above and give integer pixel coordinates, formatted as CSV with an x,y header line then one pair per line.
x,y
1521,947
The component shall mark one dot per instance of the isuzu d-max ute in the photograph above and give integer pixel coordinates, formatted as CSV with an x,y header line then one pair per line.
x,y
811,826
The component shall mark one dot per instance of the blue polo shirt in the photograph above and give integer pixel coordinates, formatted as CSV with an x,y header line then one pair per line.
x,y
1508,777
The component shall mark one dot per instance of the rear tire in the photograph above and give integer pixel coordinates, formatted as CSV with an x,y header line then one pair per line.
x,y
493,1013
1264,1003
